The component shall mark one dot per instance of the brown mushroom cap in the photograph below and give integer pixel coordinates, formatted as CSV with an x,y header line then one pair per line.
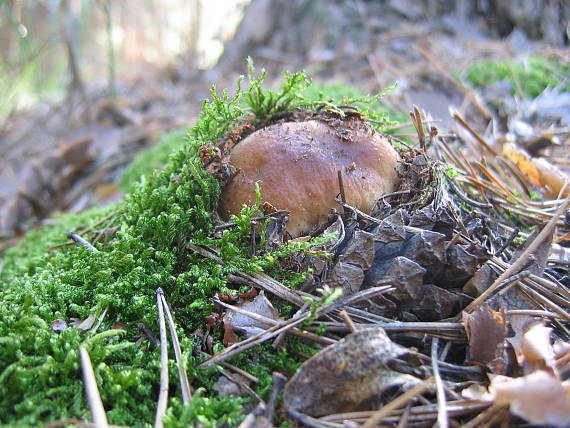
x,y
297,165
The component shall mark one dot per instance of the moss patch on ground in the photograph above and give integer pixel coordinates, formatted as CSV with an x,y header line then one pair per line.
x,y
40,379
529,76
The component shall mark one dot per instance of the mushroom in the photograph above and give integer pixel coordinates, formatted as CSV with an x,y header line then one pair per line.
x,y
297,164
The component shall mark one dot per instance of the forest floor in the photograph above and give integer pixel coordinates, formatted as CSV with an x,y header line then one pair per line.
x,y
504,144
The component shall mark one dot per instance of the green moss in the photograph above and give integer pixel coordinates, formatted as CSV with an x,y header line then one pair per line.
x,y
531,74
341,94
166,209
153,158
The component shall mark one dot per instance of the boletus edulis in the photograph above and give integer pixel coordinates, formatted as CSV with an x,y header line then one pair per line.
x,y
297,165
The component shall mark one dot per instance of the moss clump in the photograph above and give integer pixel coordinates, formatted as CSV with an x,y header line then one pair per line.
x,y
531,74
153,158
40,378
335,94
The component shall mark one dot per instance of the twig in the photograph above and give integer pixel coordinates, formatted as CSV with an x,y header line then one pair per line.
x,y
148,333
93,397
377,416
204,252
431,328
483,417
80,240
532,313
417,122
184,384
442,419
541,299
278,384
507,243
267,283
348,321
240,383
418,414
163,390
279,339
99,222
76,79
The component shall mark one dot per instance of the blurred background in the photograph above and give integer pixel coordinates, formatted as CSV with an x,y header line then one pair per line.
x,y
87,84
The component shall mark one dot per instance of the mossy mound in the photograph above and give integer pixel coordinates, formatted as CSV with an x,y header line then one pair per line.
x,y
40,379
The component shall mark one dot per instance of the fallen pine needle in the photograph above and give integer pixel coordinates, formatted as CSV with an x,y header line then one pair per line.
x,y
184,384
92,392
398,402
163,391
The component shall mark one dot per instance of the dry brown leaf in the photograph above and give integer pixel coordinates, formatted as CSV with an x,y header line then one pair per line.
x,y
85,324
539,397
486,330
347,376
524,161
532,344
58,325
552,178
539,171
536,346
241,323
230,337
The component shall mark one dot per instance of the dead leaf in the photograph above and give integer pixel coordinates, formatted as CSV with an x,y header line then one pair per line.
x,y
552,178
539,397
84,325
533,347
524,161
539,171
486,330
58,325
349,375
92,322
242,323
230,337
360,250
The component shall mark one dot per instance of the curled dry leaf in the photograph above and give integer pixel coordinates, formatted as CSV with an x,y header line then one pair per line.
x,y
540,397
349,375
486,330
241,323
536,347
532,345
84,325
231,387
58,325
539,171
